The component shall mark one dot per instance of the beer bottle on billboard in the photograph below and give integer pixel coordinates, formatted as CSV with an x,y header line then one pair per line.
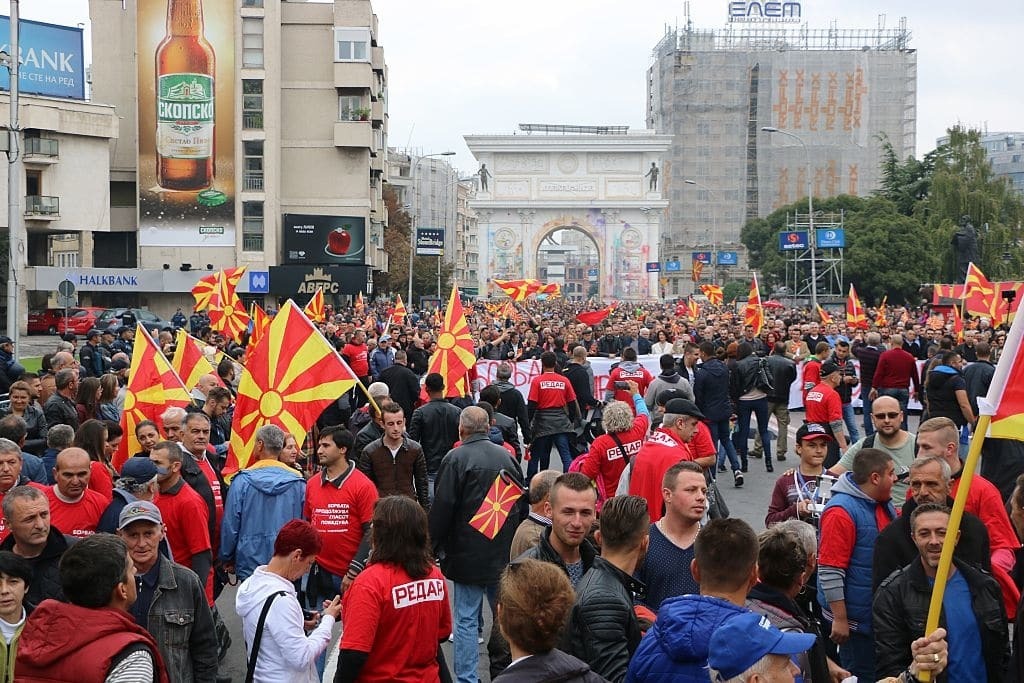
x,y
185,67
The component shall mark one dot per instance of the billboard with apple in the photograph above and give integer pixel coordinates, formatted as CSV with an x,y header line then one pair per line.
x,y
323,240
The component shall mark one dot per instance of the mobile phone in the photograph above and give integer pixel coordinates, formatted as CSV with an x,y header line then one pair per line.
x,y
621,385
309,614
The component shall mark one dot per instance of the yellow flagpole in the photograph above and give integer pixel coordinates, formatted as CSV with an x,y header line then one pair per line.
x,y
952,531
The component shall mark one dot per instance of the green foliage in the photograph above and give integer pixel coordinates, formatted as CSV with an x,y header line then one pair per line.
x,y
737,290
424,268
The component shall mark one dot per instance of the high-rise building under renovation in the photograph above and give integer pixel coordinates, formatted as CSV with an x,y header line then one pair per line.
x,y
833,94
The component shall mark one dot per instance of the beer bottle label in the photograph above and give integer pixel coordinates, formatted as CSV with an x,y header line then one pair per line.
x,y
184,104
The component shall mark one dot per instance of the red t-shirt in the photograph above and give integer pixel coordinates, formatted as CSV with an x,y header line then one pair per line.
x,y
358,358
823,404
218,499
338,514
100,480
640,375
662,450
397,620
812,375
839,535
76,519
185,515
551,390
604,462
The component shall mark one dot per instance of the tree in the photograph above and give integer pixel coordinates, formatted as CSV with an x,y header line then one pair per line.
x,y
396,243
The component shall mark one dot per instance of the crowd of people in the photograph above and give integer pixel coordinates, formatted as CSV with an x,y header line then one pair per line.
x,y
405,513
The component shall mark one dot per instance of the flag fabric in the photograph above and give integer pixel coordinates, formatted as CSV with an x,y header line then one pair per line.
x,y
958,325
257,327
399,313
714,294
855,317
503,495
455,353
692,309
292,375
510,312
753,312
359,305
314,310
517,289
551,289
981,297
153,387
1005,399
189,362
205,288
826,318
698,268
593,317
227,314
881,319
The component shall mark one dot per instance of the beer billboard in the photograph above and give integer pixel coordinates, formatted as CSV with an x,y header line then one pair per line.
x,y
186,111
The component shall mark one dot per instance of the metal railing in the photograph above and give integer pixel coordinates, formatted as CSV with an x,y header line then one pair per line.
x,y
252,241
47,147
252,120
253,181
42,205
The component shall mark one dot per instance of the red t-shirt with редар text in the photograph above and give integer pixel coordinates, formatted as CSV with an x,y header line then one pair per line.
x,y
551,390
338,512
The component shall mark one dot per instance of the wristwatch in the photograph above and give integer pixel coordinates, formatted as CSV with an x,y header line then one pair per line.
x,y
909,677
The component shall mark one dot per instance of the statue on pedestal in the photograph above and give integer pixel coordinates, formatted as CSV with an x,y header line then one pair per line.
x,y
652,173
965,244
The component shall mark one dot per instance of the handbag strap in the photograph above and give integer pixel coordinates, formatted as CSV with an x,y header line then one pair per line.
x,y
622,451
255,653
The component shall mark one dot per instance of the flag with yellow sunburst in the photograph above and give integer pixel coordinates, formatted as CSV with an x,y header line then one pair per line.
x,y
455,354
189,362
314,310
497,505
205,288
291,376
398,315
227,313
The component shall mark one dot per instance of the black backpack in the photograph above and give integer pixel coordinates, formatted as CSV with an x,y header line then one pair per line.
x,y
764,380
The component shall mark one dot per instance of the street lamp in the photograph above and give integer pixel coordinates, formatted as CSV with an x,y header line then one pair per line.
x,y
412,229
811,237
13,179
714,228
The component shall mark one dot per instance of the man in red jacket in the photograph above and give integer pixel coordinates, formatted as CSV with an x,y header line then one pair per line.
x,y
895,371
825,408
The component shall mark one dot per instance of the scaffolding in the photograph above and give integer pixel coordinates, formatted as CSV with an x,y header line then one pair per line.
x,y
829,261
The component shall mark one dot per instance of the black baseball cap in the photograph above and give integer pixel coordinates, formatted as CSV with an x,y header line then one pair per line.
x,y
812,430
828,367
683,406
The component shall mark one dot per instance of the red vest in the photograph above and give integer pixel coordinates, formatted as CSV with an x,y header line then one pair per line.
x,y
65,642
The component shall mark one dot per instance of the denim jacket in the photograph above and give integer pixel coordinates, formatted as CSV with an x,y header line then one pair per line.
x,y
181,622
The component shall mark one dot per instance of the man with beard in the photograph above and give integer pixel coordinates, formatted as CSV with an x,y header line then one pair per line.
x,y
900,444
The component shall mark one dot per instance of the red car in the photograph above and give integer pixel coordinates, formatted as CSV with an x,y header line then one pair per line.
x,y
45,322
80,320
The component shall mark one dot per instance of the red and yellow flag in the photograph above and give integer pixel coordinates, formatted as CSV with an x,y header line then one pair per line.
x,y
551,289
594,317
698,268
399,314
189,362
510,312
981,297
753,312
153,387
314,310
692,309
260,322
359,306
518,289
958,325
493,512
205,288
1005,399
292,375
714,294
855,317
227,314
454,355
882,319
825,316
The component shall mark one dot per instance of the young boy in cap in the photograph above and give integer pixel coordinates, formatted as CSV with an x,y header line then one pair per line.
x,y
798,490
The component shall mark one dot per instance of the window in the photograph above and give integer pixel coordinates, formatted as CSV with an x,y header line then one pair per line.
x,y
350,107
66,259
351,44
252,226
252,104
122,193
252,42
253,165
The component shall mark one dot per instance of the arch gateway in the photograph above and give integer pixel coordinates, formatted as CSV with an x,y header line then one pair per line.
x,y
539,189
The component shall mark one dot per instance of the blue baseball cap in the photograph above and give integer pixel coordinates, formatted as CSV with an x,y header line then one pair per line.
x,y
743,640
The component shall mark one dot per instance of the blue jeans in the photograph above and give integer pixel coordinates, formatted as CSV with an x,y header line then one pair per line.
x,y
744,409
468,610
865,402
315,601
902,396
540,453
857,655
723,444
850,418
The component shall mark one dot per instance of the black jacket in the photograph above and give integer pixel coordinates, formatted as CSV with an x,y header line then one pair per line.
x,y
579,378
901,608
783,372
544,552
436,426
603,628
419,360
195,478
553,666
509,432
514,405
744,377
845,390
46,567
895,549
465,479
403,387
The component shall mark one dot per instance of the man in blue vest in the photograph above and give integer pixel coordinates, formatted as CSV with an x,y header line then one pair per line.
x,y
859,509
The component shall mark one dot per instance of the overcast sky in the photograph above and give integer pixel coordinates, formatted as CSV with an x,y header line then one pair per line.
x,y
459,67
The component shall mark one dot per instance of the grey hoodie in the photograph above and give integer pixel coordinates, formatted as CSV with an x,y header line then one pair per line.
x,y
663,382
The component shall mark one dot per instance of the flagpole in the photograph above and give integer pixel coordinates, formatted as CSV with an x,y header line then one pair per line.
x,y
953,531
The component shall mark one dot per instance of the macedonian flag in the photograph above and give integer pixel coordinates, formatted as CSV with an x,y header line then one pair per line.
x,y
454,355
153,387
826,317
359,306
227,314
855,316
189,362
204,289
518,289
714,294
314,310
981,297
753,313
490,517
398,315
551,289
292,374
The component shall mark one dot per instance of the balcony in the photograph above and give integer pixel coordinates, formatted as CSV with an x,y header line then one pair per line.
x,y
252,120
42,207
356,134
377,58
41,150
378,164
353,75
252,181
377,111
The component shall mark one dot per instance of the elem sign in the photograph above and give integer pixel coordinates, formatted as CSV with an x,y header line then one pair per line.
x,y
702,256
790,241
774,11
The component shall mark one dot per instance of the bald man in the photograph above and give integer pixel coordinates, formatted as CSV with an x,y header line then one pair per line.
x,y
886,417
203,386
75,509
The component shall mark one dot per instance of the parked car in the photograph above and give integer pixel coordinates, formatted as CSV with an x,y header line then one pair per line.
x,y
46,321
113,318
80,320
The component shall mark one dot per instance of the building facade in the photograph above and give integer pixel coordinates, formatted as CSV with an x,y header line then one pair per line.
x,y
1005,151
837,91
299,139
595,181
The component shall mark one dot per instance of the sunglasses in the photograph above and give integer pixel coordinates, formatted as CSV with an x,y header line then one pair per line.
x,y
885,416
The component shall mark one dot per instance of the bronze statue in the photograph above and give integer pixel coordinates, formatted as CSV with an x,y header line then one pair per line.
x,y
653,174
484,175
965,244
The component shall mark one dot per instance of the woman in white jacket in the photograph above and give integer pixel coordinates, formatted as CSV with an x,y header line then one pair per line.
x,y
286,654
